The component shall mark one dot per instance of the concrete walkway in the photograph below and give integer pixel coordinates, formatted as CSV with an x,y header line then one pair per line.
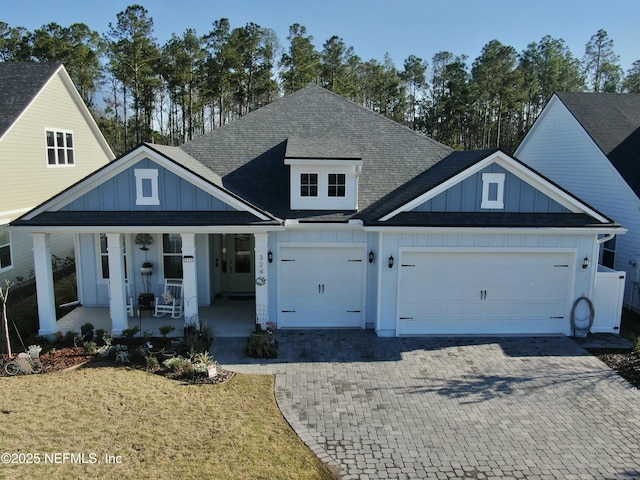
x,y
466,408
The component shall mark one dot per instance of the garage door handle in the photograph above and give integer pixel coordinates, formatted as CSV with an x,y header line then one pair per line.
x,y
288,311
483,294
406,318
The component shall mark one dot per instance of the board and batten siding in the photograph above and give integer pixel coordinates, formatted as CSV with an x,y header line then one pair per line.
x,y
559,148
93,290
392,244
119,194
466,196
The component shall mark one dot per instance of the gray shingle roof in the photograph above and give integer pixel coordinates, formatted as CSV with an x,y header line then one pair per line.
x,y
613,122
448,167
249,152
19,84
144,218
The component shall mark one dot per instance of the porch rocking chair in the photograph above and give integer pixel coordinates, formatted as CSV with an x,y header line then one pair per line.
x,y
129,298
171,299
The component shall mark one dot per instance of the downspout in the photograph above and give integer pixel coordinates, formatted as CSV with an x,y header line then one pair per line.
x,y
606,238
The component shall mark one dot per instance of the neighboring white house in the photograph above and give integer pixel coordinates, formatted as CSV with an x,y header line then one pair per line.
x,y
590,144
48,141
331,216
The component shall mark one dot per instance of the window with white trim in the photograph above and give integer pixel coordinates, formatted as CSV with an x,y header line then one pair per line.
x,y
59,148
492,190
147,186
104,257
5,249
172,255
308,184
337,185
609,253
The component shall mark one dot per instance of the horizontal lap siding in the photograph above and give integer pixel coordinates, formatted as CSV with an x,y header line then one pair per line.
x,y
560,149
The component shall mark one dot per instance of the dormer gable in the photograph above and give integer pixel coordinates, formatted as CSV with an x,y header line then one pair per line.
x,y
322,175
493,183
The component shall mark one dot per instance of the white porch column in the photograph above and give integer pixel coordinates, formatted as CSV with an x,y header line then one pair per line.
x,y
189,278
44,284
117,301
262,273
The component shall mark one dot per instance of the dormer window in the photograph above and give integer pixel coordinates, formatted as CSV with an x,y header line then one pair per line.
x,y
337,185
308,184
324,184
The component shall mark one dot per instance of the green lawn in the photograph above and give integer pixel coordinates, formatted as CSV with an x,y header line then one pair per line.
x,y
155,427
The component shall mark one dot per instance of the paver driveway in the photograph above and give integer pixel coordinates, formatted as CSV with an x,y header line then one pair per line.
x,y
452,408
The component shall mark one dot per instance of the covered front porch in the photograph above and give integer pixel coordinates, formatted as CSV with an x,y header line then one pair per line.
x,y
227,317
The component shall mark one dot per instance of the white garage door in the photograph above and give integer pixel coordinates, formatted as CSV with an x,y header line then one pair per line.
x,y
483,293
321,286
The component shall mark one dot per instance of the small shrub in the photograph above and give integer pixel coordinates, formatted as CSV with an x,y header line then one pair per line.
x,y
86,328
70,337
90,348
99,335
130,332
175,364
138,355
261,346
107,338
151,361
123,357
166,330
198,340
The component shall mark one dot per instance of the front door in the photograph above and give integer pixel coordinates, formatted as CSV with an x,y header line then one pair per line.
x,y
238,263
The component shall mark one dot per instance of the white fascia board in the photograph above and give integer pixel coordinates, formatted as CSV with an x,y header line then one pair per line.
x,y
517,169
86,113
532,131
35,97
248,229
498,230
111,170
323,162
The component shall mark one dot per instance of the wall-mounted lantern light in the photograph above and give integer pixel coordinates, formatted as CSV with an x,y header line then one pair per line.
x,y
586,262
391,261
371,256
270,256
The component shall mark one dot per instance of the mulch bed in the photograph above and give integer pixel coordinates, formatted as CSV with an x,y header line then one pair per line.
x,y
63,358
625,363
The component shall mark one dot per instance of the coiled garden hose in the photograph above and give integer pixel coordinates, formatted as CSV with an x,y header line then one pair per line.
x,y
582,324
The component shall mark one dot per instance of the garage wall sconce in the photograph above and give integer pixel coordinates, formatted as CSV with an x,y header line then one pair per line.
x,y
585,263
391,261
371,256
270,257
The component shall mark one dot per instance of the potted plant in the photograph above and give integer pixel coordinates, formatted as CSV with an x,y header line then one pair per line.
x,y
144,239
146,268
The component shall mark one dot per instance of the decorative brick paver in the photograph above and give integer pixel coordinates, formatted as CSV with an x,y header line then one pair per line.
x,y
466,408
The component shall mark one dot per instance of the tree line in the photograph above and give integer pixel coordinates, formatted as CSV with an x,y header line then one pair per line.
x,y
141,91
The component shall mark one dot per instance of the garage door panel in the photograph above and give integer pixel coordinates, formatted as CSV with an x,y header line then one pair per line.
x,y
321,286
478,293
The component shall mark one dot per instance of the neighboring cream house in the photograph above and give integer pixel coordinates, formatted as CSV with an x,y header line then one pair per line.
x,y
48,141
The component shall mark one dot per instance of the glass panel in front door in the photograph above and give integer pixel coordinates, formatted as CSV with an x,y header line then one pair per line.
x,y
242,248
